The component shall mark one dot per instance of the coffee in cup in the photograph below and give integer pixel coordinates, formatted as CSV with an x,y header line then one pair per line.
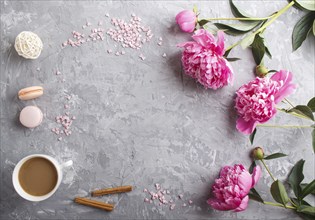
x,y
37,177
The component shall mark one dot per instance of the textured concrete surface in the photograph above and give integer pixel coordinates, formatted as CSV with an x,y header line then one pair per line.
x,y
139,122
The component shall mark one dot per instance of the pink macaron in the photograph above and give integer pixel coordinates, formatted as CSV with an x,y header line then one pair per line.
x,y
31,116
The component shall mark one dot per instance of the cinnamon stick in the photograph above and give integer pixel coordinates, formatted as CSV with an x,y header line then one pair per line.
x,y
119,189
94,203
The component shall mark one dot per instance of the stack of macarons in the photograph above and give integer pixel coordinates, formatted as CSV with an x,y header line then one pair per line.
x,y
31,116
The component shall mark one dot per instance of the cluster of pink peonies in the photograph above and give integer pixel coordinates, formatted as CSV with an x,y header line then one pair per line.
x,y
256,101
232,187
203,60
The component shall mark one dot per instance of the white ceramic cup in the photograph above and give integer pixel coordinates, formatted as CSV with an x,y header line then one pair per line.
x,y
27,196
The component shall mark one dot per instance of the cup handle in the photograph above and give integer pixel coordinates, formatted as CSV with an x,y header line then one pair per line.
x,y
66,164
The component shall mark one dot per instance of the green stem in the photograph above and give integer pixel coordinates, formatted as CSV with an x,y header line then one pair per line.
x,y
280,12
239,19
273,18
284,126
279,205
263,162
290,103
292,113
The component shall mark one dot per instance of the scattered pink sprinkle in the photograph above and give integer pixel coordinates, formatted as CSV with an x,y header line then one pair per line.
x,y
106,15
83,26
73,117
160,43
184,205
146,200
180,196
157,186
142,57
100,23
160,39
88,24
164,55
122,52
38,69
172,207
117,53
145,190
60,139
190,202
66,106
109,51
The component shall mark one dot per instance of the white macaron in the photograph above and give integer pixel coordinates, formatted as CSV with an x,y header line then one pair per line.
x,y
31,116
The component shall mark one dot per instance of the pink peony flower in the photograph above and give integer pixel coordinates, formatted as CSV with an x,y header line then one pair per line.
x,y
203,60
232,188
256,101
186,20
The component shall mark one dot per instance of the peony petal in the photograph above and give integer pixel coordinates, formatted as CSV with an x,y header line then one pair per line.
x,y
243,205
218,205
256,175
220,43
204,38
246,127
284,91
282,75
245,182
287,88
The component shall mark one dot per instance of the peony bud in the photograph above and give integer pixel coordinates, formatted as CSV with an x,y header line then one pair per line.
x,y
258,153
261,71
186,20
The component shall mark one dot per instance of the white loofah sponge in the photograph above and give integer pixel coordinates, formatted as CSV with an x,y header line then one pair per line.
x,y
28,45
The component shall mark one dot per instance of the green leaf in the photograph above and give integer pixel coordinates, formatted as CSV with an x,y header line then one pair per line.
x,y
252,136
232,59
303,110
310,210
258,49
308,189
306,4
254,195
311,104
313,140
279,193
248,40
268,52
237,29
303,185
237,12
274,156
296,177
251,168
202,22
301,30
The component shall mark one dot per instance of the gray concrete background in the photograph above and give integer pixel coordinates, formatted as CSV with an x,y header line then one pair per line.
x,y
140,122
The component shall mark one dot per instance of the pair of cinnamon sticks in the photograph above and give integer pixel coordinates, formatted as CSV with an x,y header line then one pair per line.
x,y
101,192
